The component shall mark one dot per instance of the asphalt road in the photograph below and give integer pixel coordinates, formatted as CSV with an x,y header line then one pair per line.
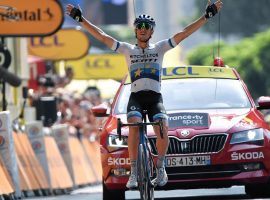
x,y
95,193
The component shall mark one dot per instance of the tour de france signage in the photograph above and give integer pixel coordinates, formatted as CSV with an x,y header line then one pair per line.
x,y
66,44
30,17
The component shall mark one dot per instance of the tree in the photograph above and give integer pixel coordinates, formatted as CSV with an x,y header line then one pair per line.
x,y
240,17
250,57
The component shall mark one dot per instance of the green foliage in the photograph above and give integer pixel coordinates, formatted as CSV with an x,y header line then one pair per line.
x,y
240,17
250,57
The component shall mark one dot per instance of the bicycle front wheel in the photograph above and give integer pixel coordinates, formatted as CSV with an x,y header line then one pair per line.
x,y
144,182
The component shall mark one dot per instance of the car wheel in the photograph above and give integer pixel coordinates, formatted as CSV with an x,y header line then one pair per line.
x,y
258,190
112,194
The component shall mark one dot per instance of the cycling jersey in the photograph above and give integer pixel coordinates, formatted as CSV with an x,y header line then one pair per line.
x,y
144,64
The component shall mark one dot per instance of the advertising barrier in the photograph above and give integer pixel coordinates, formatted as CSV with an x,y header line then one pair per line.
x,y
7,150
34,131
59,175
92,150
5,180
76,160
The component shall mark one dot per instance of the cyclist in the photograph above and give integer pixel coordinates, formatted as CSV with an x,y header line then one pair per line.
x,y
144,60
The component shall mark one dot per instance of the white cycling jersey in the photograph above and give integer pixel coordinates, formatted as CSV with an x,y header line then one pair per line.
x,y
145,65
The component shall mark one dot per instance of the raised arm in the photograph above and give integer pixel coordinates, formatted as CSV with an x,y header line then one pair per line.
x,y
211,10
95,31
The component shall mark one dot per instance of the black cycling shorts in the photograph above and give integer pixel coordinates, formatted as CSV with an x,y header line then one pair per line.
x,y
146,100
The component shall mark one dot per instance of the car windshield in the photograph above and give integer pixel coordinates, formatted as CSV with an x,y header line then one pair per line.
x,y
189,94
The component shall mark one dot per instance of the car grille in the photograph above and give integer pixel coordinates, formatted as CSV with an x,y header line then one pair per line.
x,y
199,144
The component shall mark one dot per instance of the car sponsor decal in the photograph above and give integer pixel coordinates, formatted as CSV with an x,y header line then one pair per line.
x,y
246,123
247,155
118,161
198,71
184,119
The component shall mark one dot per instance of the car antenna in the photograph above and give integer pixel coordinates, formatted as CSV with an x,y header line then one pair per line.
x,y
134,7
218,61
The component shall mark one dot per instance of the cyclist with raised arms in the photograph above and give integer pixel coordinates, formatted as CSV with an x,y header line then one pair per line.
x,y
145,65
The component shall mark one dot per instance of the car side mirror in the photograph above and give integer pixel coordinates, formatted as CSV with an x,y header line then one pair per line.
x,y
264,103
101,110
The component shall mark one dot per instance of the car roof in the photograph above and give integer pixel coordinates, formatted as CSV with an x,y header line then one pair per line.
x,y
194,71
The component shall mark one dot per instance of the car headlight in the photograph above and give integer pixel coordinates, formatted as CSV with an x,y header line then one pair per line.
x,y
115,143
254,135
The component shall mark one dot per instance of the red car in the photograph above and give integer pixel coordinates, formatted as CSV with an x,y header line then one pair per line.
x,y
218,136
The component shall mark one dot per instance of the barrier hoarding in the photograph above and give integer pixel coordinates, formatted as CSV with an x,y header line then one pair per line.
x,y
7,150
34,131
30,17
100,66
66,44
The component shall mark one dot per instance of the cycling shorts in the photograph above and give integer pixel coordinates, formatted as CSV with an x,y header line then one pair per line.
x,y
146,100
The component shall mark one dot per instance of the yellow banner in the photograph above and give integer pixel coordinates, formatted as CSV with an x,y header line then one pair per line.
x,y
196,72
100,66
30,17
66,44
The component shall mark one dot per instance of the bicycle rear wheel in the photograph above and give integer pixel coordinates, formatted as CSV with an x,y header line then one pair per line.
x,y
144,182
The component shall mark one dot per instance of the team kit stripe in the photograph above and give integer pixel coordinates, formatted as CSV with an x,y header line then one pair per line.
x,y
145,73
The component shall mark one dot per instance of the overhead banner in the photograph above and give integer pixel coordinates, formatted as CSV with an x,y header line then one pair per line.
x,y
100,66
30,17
66,44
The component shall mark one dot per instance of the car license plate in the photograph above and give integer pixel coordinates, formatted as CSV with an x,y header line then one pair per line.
x,y
187,161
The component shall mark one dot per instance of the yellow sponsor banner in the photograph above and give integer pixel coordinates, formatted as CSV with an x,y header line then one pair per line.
x,y
30,17
66,44
198,72
100,66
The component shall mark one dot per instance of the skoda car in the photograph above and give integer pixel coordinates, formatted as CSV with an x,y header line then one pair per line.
x,y
218,136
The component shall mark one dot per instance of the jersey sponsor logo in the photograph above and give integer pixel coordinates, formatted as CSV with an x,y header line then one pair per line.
x,y
247,155
118,161
145,58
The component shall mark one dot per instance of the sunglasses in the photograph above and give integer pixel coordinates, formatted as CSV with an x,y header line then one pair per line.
x,y
144,25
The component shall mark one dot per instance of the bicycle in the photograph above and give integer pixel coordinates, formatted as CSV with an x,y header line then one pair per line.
x,y
146,168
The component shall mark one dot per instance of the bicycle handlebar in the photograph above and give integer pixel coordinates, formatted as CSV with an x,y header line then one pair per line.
x,y
139,124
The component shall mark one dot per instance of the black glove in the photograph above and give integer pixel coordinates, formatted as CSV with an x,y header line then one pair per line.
x,y
211,11
76,14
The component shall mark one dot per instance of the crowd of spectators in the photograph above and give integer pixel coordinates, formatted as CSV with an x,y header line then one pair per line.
x,y
64,106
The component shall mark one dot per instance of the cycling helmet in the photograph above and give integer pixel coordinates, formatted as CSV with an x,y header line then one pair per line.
x,y
144,18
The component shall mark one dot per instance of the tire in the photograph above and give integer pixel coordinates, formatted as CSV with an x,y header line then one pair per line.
x,y
144,184
258,190
112,194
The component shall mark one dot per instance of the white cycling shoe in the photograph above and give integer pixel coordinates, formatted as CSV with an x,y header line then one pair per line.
x,y
132,182
162,177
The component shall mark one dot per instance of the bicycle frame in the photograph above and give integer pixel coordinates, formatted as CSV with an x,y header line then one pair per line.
x,y
145,161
